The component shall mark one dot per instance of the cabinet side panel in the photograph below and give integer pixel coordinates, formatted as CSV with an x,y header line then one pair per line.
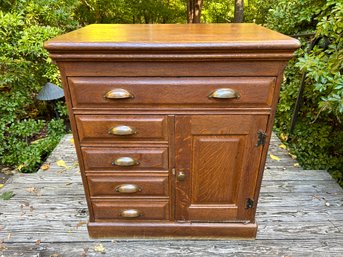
x,y
73,124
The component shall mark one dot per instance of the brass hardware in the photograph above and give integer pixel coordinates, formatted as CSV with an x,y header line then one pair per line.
x,y
118,93
128,189
130,213
173,171
122,130
125,161
181,176
224,93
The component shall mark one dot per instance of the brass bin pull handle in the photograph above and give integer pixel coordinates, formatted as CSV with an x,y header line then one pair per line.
x,y
224,93
118,93
125,161
130,213
122,130
128,189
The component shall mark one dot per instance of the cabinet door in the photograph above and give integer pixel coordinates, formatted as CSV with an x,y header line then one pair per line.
x,y
216,162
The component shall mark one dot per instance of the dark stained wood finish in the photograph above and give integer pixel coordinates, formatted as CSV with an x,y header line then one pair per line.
x,y
149,185
101,159
95,128
189,67
150,210
76,141
173,230
178,128
219,156
270,124
188,92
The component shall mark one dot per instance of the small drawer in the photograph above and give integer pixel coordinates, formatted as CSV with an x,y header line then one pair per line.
x,y
131,210
116,128
126,185
133,92
125,159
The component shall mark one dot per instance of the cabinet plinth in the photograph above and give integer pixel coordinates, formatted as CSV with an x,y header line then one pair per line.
x,y
172,124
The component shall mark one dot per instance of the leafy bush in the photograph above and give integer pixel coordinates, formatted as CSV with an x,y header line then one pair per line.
x,y
218,11
121,11
294,16
318,136
26,135
222,11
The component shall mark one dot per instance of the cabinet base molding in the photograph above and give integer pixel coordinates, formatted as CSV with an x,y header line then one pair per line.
x,y
172,230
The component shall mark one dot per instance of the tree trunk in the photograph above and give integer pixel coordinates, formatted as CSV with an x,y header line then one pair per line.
x,y
239,11
194,11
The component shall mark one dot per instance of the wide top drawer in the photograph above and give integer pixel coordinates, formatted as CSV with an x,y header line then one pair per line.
x,y
131,92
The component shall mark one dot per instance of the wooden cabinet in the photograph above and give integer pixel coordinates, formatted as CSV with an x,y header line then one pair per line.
x,y
171,124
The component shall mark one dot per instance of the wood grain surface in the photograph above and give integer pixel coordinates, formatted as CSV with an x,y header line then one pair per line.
x,y
149,185
219,156
170,91
101,159
95,128
149,209
171,36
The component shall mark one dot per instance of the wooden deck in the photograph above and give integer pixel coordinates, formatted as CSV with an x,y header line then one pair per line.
x,y
300,213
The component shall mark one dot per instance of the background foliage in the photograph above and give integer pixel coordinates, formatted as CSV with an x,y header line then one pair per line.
x,y
122,11
317,139
29,132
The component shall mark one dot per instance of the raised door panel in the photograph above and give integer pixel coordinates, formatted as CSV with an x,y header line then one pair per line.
x,y
220,161
215,158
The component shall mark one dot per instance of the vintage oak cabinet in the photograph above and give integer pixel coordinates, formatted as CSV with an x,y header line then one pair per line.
x,y
172,124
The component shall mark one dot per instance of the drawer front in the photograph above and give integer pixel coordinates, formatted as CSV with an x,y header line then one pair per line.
x,y
125,159
116,128
131,210
124,92
125,185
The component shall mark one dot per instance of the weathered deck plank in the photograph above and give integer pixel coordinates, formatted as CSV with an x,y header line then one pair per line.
x,y
184,248
300,213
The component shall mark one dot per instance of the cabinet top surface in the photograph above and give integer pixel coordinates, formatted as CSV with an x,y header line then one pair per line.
x,y
172,36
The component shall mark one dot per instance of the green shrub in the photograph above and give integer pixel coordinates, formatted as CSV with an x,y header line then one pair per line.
x,y
27,132
222,11
121,11
317,139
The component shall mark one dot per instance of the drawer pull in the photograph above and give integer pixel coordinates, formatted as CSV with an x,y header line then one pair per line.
x,y
125,161
224,93
130,213
128,189
118,93
122,131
